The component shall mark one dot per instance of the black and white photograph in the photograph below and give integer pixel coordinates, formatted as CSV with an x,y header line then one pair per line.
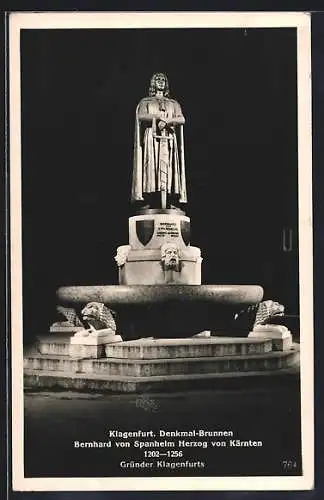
x,y
161,251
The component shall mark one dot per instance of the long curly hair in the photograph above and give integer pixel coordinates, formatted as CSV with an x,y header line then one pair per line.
x,y
152,88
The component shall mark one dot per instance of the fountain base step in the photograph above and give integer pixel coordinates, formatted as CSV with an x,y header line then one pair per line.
x,y
54,380
156,364
271,361
145,348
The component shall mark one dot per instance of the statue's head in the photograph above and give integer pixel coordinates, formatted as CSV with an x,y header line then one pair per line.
x,y
98,316
159,81
170,257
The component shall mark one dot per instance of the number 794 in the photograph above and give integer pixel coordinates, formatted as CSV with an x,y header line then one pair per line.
x,y
289,464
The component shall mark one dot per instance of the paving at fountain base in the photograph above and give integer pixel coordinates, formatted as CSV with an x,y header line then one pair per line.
x,y
156,364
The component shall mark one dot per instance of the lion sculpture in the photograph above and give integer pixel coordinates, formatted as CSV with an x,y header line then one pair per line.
x,y
267,310
259,314
100,320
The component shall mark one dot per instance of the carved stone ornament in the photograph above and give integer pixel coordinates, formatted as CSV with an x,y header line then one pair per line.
x,y
170,257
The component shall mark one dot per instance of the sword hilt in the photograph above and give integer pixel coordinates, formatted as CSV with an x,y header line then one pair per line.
x,y
168,138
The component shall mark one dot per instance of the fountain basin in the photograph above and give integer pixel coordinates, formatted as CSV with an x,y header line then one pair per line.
x,y
235,296
169,310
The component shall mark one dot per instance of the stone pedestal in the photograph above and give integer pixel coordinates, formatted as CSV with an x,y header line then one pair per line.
x,y
143,261
92,345
144,267
152,230
280,336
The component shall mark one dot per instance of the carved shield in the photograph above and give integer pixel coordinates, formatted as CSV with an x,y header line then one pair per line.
x,y
185,231
145,230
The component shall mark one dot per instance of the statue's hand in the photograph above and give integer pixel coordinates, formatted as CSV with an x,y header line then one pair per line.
x,y
161,124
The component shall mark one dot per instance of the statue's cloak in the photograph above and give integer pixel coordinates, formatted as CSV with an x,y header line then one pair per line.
x,y
158,161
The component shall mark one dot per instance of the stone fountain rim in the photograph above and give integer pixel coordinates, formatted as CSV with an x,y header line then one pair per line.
x,y
156,294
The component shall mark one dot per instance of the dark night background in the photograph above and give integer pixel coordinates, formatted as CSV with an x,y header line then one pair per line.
x,y
80,88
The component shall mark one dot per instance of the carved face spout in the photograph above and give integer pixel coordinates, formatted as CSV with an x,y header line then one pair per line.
x,y
170,257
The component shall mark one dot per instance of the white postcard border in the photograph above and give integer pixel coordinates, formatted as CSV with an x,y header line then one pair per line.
x,y
302,21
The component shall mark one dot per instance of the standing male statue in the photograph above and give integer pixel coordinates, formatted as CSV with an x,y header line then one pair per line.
x,y
159,166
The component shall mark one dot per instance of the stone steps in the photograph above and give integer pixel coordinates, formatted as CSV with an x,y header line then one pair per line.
x,y
164,348
187,348
54,380
157,364
121,367
58,343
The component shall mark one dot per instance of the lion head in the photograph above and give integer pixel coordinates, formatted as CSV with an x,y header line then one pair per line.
x,y
98,316
267,310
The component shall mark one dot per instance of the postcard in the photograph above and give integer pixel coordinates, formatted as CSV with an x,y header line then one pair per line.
x,y
161,251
